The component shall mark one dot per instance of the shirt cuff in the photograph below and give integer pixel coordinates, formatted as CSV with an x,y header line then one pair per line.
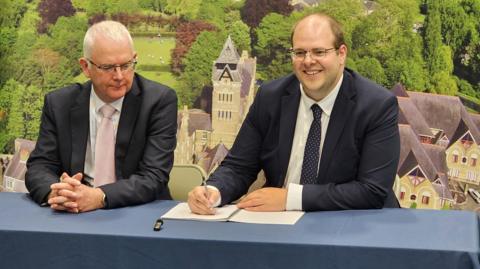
x,y
219,201
294,197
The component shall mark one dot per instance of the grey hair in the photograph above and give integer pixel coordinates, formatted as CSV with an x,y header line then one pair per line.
x,y
110,29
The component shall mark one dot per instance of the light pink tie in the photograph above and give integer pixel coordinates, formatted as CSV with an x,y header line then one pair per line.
x,y
105,148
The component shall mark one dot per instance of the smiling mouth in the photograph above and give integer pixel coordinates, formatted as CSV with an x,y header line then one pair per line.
x,y
312,72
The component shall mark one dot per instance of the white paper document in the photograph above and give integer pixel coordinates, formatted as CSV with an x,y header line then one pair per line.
x,y
232,213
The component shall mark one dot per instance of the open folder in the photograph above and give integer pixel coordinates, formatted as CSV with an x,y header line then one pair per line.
x,y
233,213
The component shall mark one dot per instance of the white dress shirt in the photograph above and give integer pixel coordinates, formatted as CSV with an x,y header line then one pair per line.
x,y
302,127
95,117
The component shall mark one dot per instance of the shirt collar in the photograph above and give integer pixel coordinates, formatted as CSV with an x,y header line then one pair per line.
x,y
98,103
326,104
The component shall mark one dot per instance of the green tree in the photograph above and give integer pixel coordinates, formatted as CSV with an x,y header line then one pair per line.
x,y
183,8
271,48
240,34
395,45
372,69
214,11
66,38
433,38
122,6
347,12
94,7
198,65
444,83
155,5
25,111
20,108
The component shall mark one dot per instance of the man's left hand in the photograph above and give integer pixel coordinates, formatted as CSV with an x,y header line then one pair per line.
x,y
265,199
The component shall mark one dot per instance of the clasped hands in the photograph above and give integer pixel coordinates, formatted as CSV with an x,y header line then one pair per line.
x,y
72,196
265,199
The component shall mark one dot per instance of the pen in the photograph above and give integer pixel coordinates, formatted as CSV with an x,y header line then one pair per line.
x,y
158,225
207,194
204,183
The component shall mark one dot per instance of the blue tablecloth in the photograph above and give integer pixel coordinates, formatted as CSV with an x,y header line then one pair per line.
x,y
36,237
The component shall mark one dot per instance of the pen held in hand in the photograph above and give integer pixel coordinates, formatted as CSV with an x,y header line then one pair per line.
x,y
207,193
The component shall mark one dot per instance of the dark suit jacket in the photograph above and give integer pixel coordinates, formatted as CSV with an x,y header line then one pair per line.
x,y
146,139
360,153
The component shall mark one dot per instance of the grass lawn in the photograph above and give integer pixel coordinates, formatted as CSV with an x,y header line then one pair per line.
x,y
153,60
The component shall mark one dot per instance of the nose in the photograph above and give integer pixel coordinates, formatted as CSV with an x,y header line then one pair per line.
x,y
117,74
308,60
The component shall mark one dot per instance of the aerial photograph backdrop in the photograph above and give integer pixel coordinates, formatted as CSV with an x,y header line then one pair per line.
x,y
427,52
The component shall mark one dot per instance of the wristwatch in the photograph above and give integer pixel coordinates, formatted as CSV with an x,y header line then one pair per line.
x,y
104,200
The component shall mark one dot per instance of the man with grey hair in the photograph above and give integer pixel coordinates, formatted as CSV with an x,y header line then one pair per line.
x,y
109,142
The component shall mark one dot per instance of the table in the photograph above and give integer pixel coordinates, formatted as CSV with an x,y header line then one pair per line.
x,y
36,237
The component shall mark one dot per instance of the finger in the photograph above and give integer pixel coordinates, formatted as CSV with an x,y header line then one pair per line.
x,y
57,200
61,186
198,203
52,193
70,205
200,209
58,207
213,196
70,195
78,176
64,175
200,195
250,202
71,181
260,208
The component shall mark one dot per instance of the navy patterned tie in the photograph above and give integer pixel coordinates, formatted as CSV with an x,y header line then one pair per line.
x,y
312,148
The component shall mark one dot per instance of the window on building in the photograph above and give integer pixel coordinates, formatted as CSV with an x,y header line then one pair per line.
x,y
464,160
402,195
455,158
413,197
425,200
473,160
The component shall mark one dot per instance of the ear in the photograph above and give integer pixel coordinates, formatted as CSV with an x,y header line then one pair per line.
x,y
84,65
342,53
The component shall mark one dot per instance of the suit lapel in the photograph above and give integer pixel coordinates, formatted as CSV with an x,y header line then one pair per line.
x,y
340,115
79,125
130,108
288,119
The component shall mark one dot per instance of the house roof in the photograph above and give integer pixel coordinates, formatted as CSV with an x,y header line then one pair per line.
x,y
213,157
399,90
476,119
247,71
446,113
197,120
430,158
409,114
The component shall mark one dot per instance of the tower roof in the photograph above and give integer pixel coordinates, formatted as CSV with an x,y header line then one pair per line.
x,y
229,54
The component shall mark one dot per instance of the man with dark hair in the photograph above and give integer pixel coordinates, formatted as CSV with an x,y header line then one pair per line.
x,y
109,142
326,137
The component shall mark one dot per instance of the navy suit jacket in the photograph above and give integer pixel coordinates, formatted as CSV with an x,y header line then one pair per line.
x,y
146,139
359,157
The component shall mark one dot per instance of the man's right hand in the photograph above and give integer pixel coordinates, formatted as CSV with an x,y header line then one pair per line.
x,y
201,202
58,197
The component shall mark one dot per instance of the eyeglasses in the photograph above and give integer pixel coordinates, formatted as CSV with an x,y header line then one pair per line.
x,y
316,54
110,68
